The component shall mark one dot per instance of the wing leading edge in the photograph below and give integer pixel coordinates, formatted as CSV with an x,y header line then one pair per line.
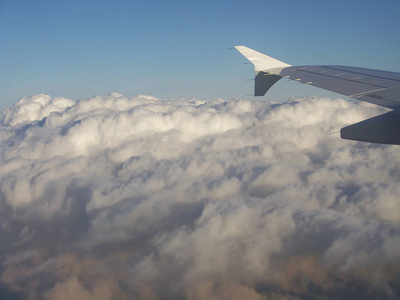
x,y
377,87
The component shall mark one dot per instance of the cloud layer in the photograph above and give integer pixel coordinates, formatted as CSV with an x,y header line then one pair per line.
x,y
142,198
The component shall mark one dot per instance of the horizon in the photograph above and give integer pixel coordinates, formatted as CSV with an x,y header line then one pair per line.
x,y
179,49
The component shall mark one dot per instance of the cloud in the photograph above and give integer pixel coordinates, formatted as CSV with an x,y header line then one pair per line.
x,y
145,198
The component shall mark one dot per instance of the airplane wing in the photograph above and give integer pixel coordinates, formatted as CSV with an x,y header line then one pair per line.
x,y
377,87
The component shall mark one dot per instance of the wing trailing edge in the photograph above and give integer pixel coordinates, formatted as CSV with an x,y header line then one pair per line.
x,y
374,86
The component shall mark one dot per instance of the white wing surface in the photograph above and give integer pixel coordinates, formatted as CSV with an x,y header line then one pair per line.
x,y
377,87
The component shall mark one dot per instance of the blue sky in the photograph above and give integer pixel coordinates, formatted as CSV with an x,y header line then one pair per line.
x,y
174,49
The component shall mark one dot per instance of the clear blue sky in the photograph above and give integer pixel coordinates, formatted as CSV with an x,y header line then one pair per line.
x,y
175,49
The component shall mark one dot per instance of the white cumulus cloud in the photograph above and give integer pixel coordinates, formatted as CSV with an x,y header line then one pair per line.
x,y
143,198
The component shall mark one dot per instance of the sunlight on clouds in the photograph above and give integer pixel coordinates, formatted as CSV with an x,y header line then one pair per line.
x,y
145,198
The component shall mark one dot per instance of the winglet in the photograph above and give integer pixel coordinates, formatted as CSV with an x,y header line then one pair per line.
x,y
261,61
267,69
